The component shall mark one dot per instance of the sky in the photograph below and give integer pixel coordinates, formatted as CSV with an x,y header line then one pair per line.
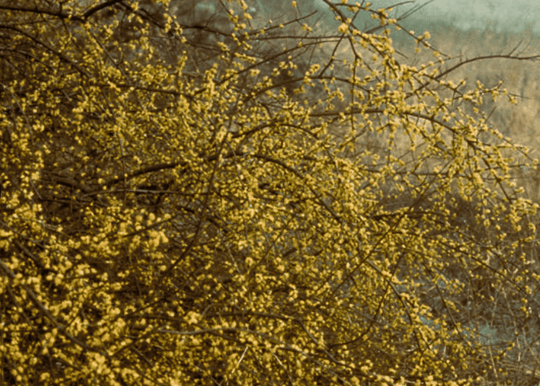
x,y
510,15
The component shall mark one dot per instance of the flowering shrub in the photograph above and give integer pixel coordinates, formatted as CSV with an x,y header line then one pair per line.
x,y
256,203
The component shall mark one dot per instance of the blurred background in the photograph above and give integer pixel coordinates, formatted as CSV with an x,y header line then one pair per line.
x,y
500,15
503,33
463,30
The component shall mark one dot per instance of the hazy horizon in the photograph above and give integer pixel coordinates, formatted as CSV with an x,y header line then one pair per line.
x,y
501,15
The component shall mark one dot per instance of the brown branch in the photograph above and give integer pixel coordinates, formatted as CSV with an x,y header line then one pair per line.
x,y
71,183
299,175
40,11
59,14
58,54
99,7
145,170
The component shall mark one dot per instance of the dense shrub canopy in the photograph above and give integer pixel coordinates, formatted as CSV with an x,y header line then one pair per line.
x,y
193,194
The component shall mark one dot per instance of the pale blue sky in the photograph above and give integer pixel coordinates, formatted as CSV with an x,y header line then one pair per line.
x,y
513,15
